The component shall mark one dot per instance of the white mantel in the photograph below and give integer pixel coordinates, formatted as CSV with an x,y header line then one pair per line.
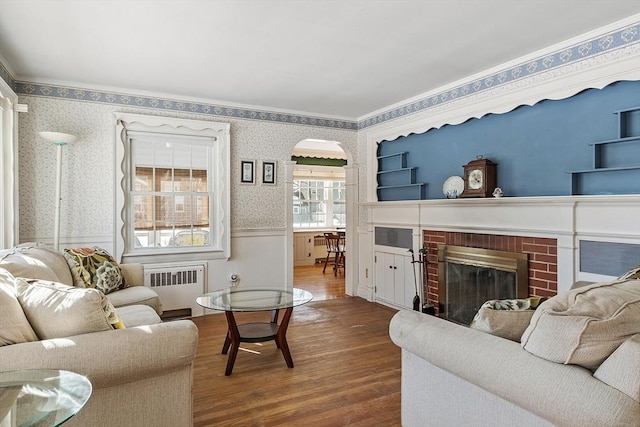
x,y
568,219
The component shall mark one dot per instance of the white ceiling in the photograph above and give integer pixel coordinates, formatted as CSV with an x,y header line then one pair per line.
x,y
336,58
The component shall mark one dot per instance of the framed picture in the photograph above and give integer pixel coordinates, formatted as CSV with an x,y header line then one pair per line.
x,y
269,172
247,171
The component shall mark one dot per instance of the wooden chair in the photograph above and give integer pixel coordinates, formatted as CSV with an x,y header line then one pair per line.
x,y
336,247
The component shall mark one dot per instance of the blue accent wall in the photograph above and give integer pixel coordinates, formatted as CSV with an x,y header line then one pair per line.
x,y
534,146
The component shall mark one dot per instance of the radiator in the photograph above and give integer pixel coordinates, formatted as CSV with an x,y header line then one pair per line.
x,y
178,286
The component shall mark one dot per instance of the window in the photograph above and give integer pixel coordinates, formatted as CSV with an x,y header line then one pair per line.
x,y
170,203
318,203
176,195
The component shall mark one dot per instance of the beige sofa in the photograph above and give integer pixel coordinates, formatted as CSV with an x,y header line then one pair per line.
x,y
38,261
453,375
141,375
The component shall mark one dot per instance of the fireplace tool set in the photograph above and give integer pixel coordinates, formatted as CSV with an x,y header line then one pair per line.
x,y
424,264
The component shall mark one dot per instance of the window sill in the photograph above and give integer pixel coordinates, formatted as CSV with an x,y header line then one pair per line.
x,y
173,256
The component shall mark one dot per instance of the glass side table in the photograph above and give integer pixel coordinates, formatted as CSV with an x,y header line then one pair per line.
x,y
41,397
255,299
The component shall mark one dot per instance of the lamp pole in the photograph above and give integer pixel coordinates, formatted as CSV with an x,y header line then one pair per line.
x,y
59,140
56,224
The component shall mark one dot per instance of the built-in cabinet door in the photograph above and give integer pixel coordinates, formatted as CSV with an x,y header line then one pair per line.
x,y
298,247
404,285
303,249
394,279
389,280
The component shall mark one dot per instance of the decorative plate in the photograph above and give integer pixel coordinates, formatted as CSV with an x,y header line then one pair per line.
x,y
453,187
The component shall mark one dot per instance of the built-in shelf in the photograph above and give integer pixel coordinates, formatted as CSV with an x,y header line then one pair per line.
x,y
616,162
600,170
628,120
396,181
387,156
393,177
393,161
415,191
397,170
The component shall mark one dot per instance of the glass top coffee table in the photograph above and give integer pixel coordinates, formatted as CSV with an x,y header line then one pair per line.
x,y
41,396
255,299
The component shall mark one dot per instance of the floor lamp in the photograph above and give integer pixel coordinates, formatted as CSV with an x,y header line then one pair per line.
x,y
59,140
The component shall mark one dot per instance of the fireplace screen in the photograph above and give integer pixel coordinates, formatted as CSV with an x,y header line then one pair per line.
x,y
469,276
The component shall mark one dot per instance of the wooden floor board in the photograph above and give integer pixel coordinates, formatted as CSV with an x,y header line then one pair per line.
x,y
347,370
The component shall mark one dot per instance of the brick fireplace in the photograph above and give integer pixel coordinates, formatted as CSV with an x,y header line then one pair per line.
x,y
542,253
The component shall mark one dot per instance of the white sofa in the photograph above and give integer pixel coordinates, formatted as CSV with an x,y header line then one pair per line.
x,y
141,375
453,375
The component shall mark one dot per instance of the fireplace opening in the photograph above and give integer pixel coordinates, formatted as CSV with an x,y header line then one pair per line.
x,y
467,277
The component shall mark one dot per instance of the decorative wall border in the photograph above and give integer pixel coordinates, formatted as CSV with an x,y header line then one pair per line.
x,y
602,44
165,104
6,76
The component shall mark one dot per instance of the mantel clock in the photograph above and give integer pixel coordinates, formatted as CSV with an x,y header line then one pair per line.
x,y
479,178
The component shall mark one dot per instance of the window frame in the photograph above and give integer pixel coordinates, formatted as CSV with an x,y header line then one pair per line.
x,y
9,220
328,200
130,126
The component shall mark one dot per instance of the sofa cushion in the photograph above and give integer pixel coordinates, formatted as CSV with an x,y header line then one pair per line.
x,y
505,318
621,370
55,310
36,261
96,268
14,326
136,295
585,325
138,315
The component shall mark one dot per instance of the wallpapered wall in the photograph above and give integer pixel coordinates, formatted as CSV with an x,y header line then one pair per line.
x,y
88,167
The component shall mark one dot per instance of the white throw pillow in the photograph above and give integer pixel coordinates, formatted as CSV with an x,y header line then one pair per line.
x,y
55,310
621,370
585,325
14,326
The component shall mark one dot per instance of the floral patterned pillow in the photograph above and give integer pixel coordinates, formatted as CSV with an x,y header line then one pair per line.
x,y
634,273
96,268
530,303
506,318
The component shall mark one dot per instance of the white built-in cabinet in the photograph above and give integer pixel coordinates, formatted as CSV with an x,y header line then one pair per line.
x,y
393,279
306,249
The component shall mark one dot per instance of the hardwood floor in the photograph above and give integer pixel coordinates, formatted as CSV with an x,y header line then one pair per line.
x,y
347,370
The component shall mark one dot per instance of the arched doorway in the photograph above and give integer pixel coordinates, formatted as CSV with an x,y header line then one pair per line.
x,y
321,163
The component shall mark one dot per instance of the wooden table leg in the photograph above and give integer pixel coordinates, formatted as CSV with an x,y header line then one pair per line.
x,y
281,337
227,343
274,319
232,341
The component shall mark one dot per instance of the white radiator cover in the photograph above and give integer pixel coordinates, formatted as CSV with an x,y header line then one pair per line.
x,y
178,286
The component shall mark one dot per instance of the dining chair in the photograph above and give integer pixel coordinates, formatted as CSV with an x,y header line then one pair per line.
x,y
336,248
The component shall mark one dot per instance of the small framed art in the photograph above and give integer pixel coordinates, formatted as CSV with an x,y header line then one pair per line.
x,y
268,172
247,171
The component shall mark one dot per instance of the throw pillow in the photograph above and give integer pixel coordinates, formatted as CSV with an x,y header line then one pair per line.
x,y
55,310
621,370
505,318
585,325
36,261
14,326
634,273
96,268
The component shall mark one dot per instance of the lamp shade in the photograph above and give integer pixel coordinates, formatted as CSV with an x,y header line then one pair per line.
x,y
58,138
